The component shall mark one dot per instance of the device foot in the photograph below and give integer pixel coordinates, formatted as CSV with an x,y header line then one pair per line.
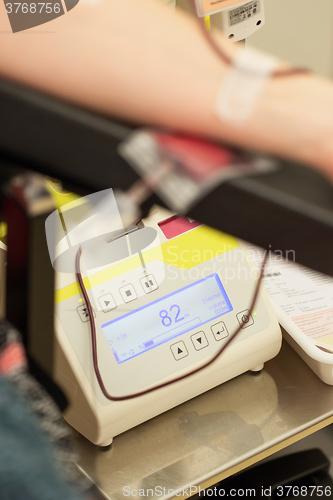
x,y
257,369
106,446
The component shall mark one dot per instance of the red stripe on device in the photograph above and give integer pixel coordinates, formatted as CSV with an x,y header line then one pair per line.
x,y
176,225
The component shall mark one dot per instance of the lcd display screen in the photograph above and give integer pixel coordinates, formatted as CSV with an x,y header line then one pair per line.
x,y
167,318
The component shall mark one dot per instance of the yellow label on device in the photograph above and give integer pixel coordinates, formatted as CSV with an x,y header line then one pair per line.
x,y
184,252
197,246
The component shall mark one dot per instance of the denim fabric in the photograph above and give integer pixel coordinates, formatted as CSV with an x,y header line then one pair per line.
x,y
27,470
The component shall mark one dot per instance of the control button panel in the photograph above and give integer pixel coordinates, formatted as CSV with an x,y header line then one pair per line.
x,y
219,330
179,350
149,283
83,313
199,340
245,319
107,302
128,293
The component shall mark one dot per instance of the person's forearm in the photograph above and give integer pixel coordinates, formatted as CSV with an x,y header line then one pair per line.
x,y
131,58
138,60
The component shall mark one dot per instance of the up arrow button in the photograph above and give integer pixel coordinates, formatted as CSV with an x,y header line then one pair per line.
x,y
179,350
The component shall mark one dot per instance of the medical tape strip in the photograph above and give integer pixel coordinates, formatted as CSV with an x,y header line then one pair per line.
x,y
243,84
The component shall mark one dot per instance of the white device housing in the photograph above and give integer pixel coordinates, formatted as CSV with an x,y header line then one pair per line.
x,y
240,19
172,264
320,361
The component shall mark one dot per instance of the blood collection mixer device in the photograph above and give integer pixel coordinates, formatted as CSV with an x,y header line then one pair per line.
x,y
159,313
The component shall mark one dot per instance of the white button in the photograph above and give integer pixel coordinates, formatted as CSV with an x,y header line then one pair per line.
x,y
149,283
179,350
128,293
199,341
107,302
219,331
245,319
83,313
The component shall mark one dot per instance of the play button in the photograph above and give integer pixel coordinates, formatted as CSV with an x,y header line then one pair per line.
x,y
107,302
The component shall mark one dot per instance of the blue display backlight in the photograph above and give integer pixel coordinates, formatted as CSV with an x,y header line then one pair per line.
x,y
167,318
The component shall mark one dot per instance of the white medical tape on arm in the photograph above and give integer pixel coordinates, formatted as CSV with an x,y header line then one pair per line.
x,y
243,84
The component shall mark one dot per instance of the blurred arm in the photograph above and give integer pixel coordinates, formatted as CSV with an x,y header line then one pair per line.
x,y
138,60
